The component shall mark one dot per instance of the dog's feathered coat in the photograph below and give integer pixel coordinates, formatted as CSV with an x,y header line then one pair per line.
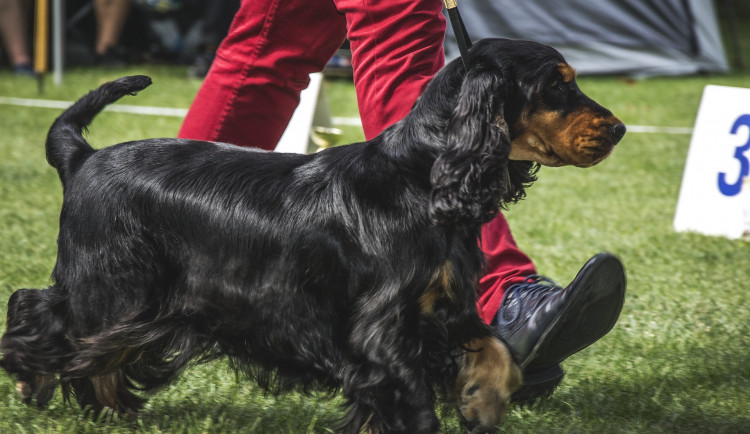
x,y
353,268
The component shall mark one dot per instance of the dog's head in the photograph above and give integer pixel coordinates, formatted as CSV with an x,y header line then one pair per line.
x,y
517,105
550,120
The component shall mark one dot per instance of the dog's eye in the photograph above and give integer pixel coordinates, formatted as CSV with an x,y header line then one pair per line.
x,y
558,86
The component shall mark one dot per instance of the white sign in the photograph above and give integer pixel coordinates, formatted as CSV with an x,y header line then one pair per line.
x,y
715,194
312,109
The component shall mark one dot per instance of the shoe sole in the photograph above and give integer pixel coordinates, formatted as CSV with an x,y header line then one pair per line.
x,y
538,386
591,312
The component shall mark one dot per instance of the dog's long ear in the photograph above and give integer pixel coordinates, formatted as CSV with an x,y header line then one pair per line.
x,y
470,176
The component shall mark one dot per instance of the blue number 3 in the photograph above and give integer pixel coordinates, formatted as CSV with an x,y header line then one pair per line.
x,y
734,189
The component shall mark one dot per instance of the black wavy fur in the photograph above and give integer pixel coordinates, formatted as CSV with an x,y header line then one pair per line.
x,y
303,270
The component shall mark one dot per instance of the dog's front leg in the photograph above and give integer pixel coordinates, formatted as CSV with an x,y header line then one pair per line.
x,y
487,374
486,380
384,381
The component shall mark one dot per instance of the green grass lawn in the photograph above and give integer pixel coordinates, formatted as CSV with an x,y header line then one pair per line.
x,y
677,361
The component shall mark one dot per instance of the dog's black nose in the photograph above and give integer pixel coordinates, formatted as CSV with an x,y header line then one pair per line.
x,y
617,130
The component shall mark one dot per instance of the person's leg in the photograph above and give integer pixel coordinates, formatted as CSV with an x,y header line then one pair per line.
x,y
13,26
397,47
506,265
253,86
217,20
110,20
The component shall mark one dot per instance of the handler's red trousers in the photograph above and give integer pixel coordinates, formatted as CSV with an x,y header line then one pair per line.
x,y
263,64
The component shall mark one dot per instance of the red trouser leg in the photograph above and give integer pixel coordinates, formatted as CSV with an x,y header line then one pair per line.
x,y
263,64
506,265
261,67
397,47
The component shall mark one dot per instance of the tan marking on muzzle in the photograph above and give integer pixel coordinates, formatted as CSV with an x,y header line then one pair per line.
x,y
581,138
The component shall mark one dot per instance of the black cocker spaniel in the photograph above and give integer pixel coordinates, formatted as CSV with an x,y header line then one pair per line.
x,y
352,269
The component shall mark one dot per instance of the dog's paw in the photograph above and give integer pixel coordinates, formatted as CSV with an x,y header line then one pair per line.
x,y
42,388
24,391
485,383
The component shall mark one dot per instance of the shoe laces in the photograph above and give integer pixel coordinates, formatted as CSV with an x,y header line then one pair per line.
x,y
535,287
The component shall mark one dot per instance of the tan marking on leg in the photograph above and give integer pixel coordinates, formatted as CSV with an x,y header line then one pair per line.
x,y
485,383
24,390
42,387
440,286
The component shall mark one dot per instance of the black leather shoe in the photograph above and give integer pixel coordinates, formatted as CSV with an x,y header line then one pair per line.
x,y
538,385
543,324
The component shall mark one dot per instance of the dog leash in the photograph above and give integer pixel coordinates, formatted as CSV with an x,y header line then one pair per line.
x,y
462,37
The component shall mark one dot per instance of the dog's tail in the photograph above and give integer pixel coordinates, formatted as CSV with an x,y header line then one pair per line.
x,y
66,146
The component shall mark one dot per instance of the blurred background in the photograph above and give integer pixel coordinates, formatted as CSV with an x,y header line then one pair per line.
x,y
626,37
677,361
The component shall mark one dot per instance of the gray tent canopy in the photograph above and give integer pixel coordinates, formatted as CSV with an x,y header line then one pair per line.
x,y
631,37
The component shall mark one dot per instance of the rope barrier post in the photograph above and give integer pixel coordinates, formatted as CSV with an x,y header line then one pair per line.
x,y
41,38
58,37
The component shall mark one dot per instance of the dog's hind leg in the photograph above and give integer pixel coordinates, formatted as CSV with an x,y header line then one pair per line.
x,y
106,392
34,346
133,355
39,387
